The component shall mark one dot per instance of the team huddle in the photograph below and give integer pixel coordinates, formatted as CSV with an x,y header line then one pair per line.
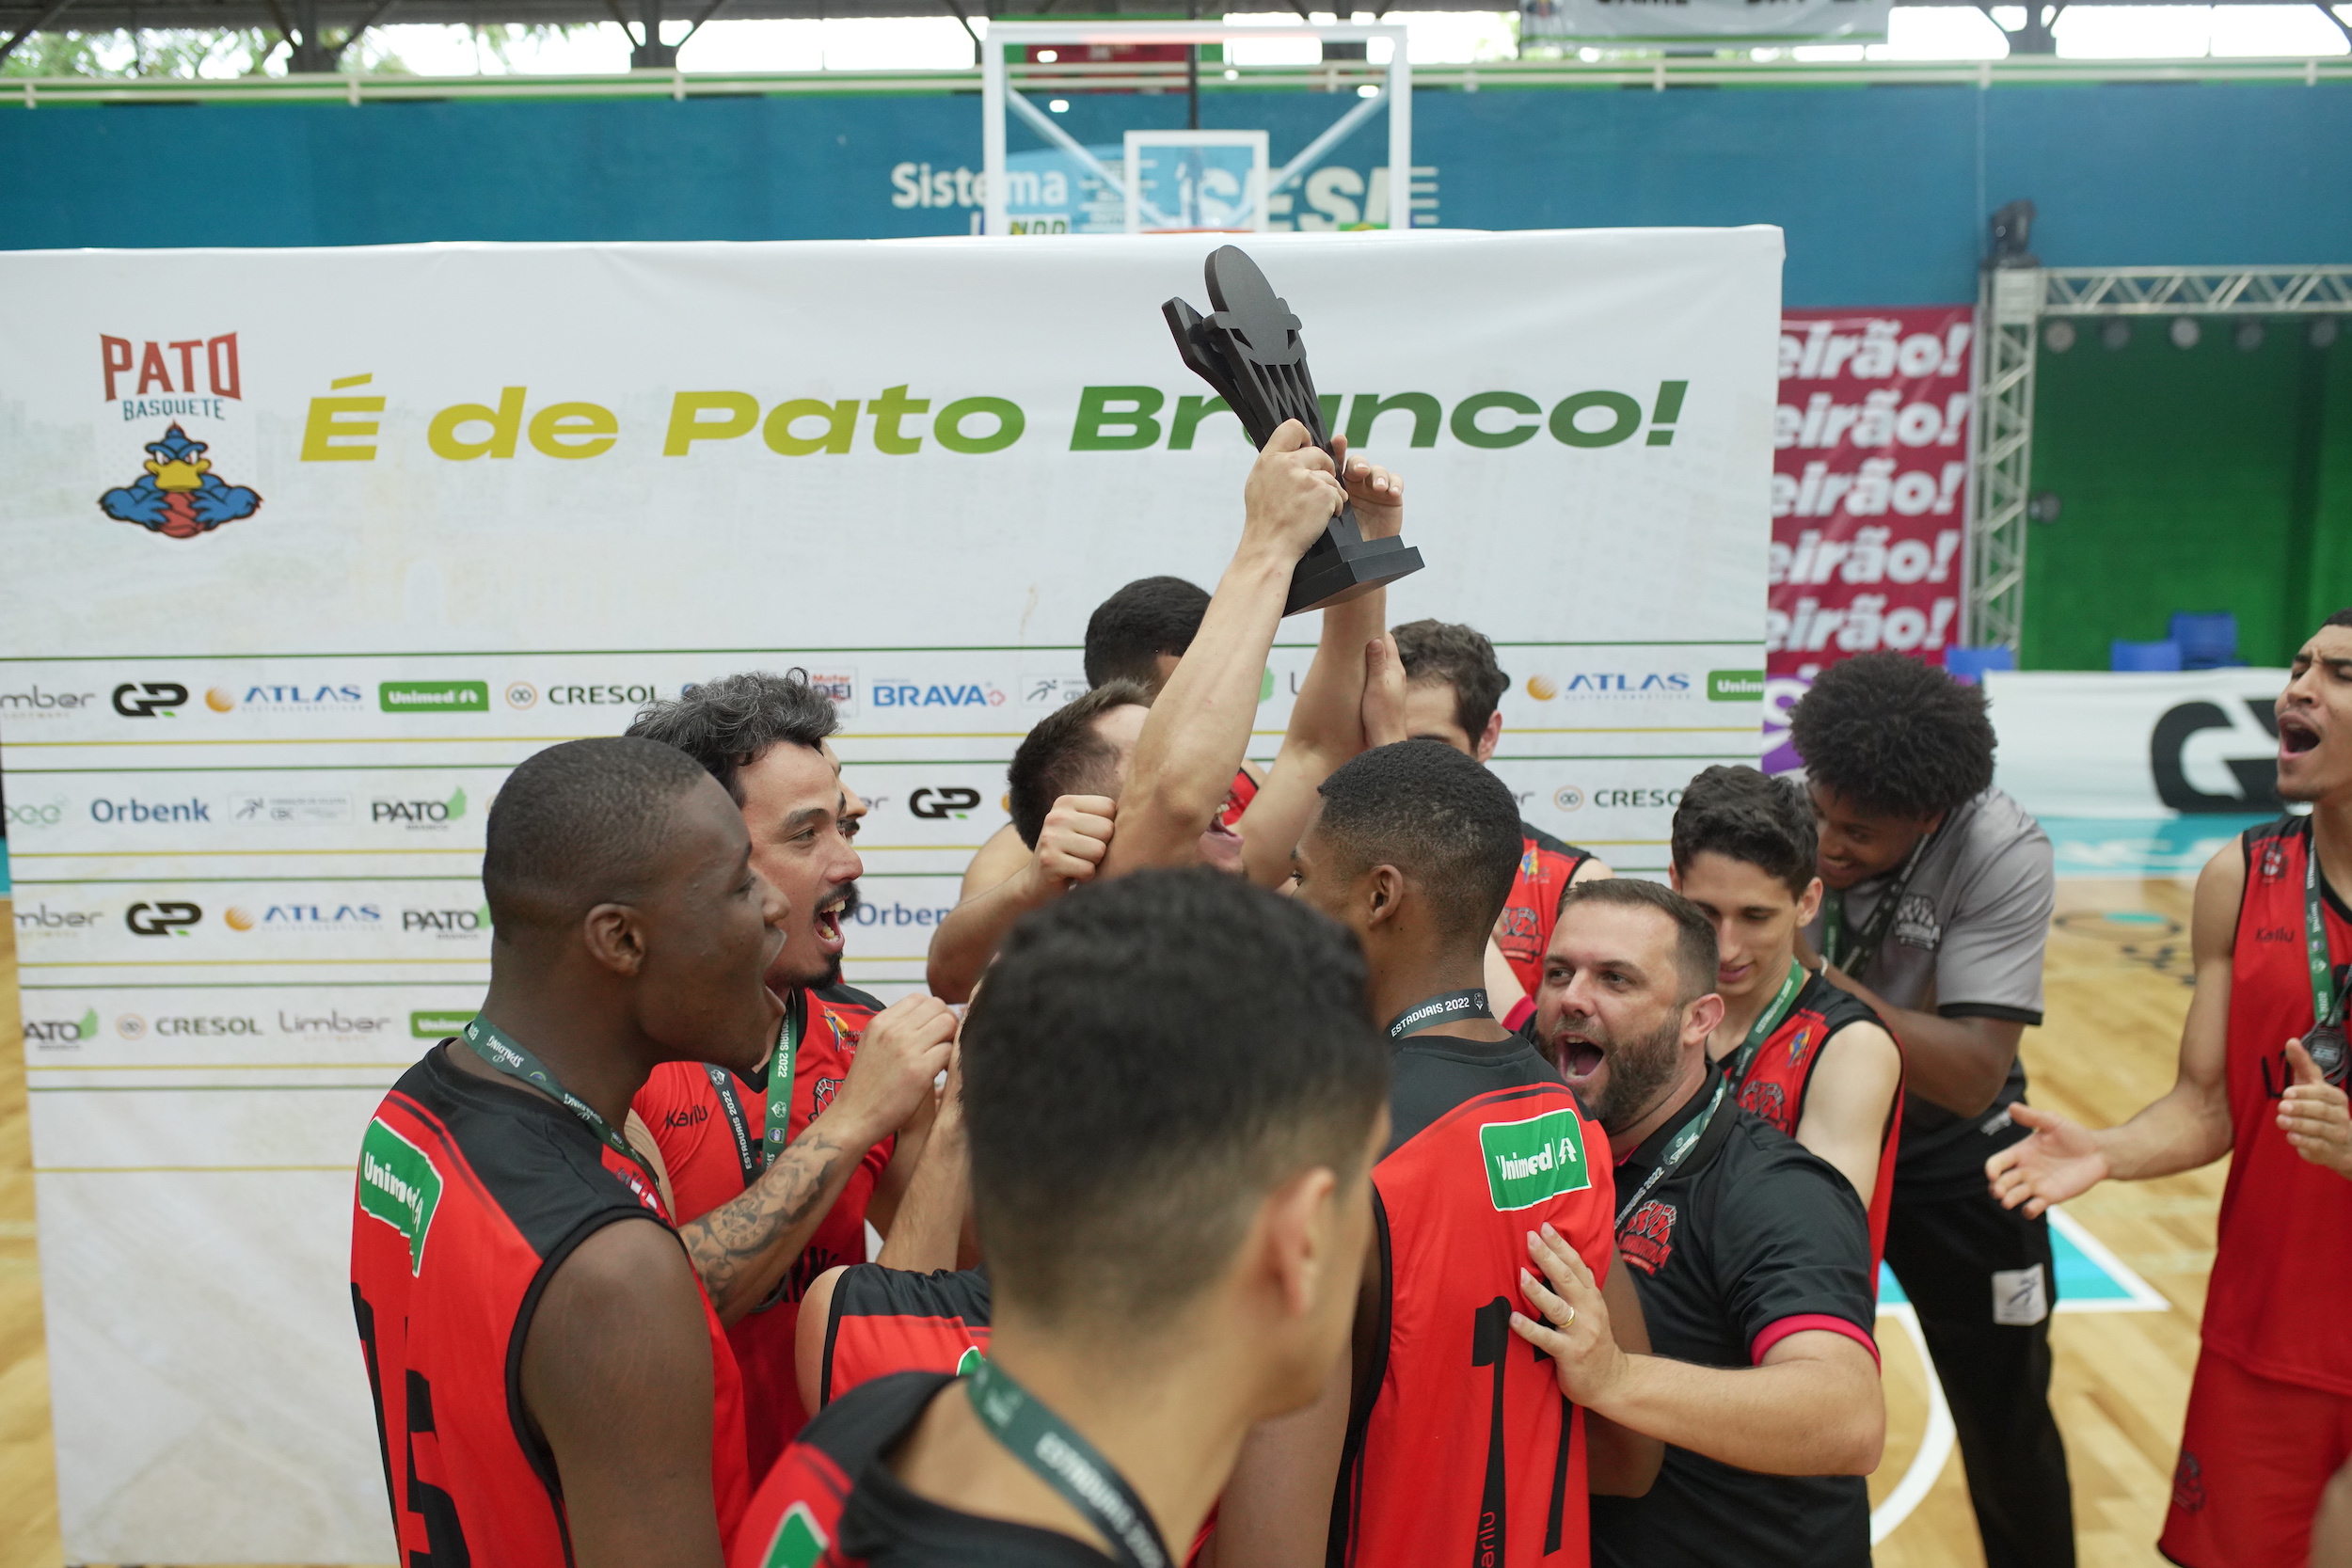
x,y
1326,1167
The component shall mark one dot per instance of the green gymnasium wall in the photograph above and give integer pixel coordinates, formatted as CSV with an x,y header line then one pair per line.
x,y
2205,478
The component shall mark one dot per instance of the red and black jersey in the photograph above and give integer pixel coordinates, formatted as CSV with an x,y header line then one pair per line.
x,y
886,1320
1750,1239
1781,1072
1237,798
471,1194
1523,930
709,1166
1460,1447
833,1501
2282,1269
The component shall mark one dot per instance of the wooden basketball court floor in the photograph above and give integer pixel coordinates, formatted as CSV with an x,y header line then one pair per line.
x,y
2118,987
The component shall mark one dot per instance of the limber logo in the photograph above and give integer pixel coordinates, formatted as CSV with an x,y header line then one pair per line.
x,y
1530,1161
432,1023
40,917
433,696
32,703
399,1185
333,1022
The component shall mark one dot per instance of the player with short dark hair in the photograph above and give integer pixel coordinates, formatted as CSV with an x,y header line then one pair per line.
x,y
778,1166
1141,632
1077,750
552,1383
1750,1254
1453,691
1434,1443
2261,1073
1937,909
1172,1096
1809,1058
1179,757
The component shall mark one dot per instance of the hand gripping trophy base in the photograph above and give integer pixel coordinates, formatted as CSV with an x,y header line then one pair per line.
x,y
1249,349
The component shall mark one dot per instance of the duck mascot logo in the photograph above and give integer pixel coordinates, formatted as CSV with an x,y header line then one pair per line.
x,y
179,495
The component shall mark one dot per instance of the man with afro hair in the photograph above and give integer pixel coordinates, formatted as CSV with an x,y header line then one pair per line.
x,y
1937,906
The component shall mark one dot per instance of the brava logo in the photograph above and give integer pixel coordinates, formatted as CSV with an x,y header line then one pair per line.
x,y
446,922
420,814
147,699
161,919
908,694
62,1031
933,804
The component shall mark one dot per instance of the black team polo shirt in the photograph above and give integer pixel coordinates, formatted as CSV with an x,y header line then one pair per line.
x,y
1750,1240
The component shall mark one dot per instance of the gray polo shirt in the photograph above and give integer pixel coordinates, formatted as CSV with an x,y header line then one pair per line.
x,y
1966,943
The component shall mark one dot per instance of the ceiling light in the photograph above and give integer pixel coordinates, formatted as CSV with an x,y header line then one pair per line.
x,y
2184,332
2116,336
2248,337
2059,336
2324,332
1060,105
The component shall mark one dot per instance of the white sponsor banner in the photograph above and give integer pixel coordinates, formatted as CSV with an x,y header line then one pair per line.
x,y
311,548
1818,20
2097,744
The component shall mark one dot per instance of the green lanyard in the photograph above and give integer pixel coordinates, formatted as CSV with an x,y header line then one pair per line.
x,y
2326,1006
499,1049
1676,1146
1770,1020
1857,958
778,1127
1058,1456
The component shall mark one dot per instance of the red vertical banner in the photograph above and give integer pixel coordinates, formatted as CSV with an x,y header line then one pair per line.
x,y
1869,476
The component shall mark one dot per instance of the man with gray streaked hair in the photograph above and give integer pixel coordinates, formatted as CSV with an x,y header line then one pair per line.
x,y
771,1200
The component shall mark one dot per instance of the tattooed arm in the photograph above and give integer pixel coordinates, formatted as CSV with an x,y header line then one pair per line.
x,y
742,1247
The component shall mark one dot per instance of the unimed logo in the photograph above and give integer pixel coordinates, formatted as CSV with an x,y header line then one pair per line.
x,y
399,1186
1735,685
433,696
1530,1161
433,1023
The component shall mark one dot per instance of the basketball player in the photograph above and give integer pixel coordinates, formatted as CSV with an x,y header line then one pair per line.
x,y
1809,1058
1751,1256
1173,1097
1940,888
1058,843
776,1168
2262,1065
1452,687
1446,1446
551,1384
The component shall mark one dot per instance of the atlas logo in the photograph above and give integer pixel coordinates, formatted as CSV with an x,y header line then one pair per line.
x,y
62,1031
287,697
908,694
420,814
147,699
47,705
161,919
447,922
304,917
933,804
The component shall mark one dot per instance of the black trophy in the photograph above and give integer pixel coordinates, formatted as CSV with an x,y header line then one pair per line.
x,y
1249,350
